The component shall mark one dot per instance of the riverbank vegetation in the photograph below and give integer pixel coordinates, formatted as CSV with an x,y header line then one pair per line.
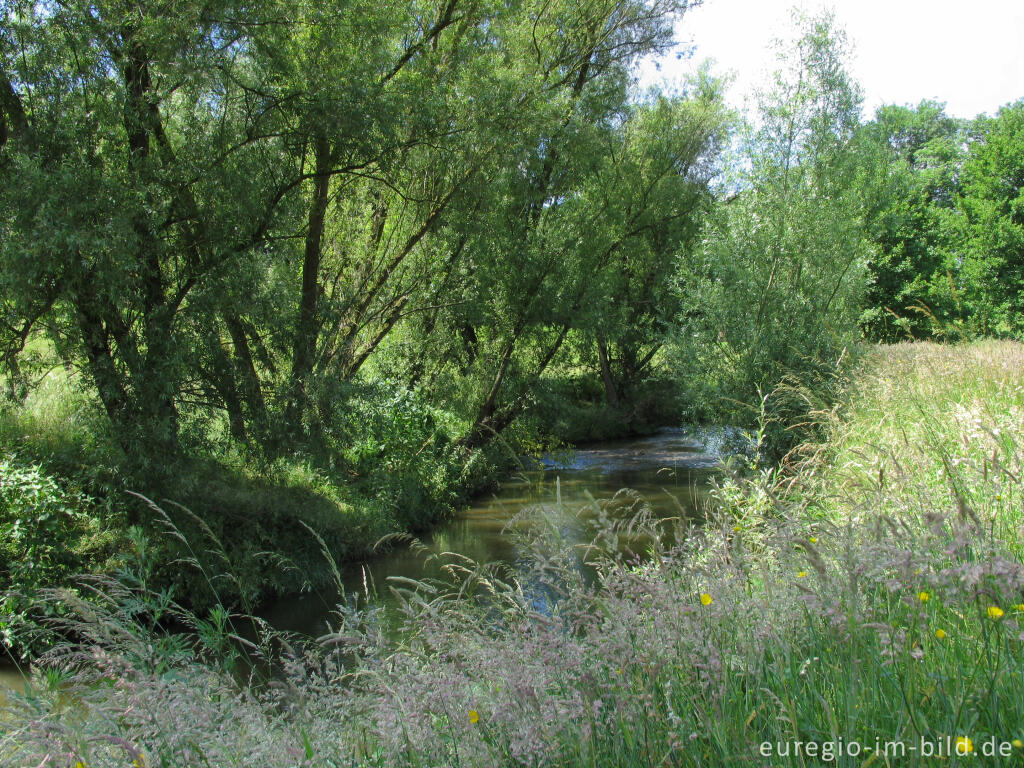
x,y
870,600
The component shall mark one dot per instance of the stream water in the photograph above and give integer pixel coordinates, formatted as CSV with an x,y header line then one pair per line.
x,y
670,470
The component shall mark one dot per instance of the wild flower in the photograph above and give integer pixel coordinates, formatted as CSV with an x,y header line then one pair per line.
x,y
474,716
995,612
801,574
1018,743
813,539
923,596
940,633
705,599
963,745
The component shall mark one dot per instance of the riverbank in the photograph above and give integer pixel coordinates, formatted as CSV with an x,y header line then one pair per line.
x,y
231,524
871,602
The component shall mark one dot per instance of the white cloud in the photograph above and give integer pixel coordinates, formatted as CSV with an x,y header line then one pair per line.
x,y
970,56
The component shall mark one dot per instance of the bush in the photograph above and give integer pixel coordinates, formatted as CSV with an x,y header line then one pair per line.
x,y
391,446
47,535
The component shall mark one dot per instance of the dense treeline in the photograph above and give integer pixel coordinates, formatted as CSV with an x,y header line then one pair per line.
x,y
332,264
236,207
948,224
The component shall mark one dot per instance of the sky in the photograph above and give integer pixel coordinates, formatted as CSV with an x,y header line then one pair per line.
x,y
969,55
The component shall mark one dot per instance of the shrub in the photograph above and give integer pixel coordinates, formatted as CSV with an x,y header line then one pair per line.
x,y
47,535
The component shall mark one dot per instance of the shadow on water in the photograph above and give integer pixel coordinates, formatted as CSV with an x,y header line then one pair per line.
x,y
669,471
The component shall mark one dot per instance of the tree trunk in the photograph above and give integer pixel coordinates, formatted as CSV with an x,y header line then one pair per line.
x,y
306,328
610,395
250,388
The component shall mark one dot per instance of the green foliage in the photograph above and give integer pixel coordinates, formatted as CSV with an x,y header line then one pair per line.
x,y
48,535
573,409
992,189
390,445
916,155
776,289
44,530
946,222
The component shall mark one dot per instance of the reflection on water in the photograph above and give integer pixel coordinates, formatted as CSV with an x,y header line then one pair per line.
x,y
10,678
669,469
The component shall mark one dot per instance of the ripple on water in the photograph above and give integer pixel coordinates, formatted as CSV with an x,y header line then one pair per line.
x,y
671,470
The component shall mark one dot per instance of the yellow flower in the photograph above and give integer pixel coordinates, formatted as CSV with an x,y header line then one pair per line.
x,y
940,633
620,670
705,599
801,574
139,762
924,597
1018,743
918,572
80,764
474,716
813,539
737,528
964,745
995,612
1019,607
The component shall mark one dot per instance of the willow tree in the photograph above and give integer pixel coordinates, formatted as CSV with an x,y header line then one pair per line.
x,y
533,255
165,171
143,161
778,283
655,193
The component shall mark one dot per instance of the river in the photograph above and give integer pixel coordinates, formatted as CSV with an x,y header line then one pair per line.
x,y
670,470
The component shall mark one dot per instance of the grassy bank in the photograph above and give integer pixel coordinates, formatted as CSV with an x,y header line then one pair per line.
x,y
385,463
864,610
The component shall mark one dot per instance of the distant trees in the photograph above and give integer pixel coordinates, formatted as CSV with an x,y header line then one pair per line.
x,y
992,201
947,224
912,156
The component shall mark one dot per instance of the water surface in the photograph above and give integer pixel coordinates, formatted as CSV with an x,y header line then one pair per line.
x,y
669,470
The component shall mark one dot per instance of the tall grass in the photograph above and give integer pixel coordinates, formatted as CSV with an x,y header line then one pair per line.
x,y
873,599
